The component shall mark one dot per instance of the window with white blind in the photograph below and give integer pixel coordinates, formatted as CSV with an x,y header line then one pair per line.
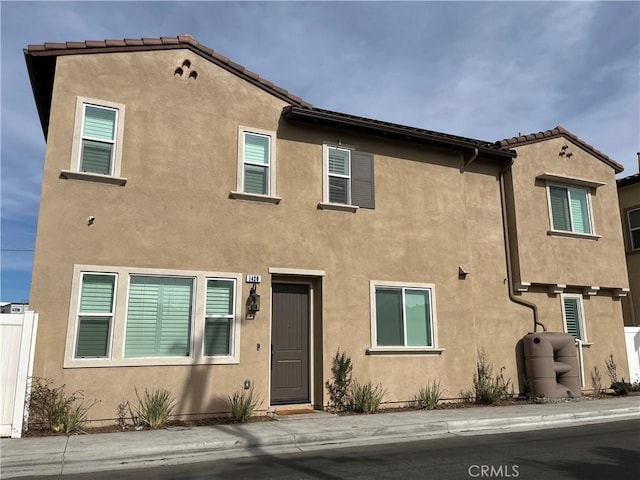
x,y
573,316
570,209
123,316
97,141
256,166
348,179
219,315
95,315
159,317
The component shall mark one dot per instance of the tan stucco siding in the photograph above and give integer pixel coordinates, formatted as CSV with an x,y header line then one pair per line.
x,y
552,259
629,198
180,151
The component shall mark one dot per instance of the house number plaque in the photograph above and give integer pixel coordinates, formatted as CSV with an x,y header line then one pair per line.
x,y
253,279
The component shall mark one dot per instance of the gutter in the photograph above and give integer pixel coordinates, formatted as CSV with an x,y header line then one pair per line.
x,y
507,249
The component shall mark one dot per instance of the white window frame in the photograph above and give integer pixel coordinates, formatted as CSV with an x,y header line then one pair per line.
x,y
435,348
239,193
231,316
581,318
571,232
74,171
111,315
631,230
119,320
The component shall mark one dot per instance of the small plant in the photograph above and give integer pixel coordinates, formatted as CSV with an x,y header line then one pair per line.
x,y
596,380
340,385
612,369
366,397
125,413
154,408
486,388
50,408
621,388
527,390
428,396
243,404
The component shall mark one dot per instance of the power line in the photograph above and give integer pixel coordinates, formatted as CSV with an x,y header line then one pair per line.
x,y
16,249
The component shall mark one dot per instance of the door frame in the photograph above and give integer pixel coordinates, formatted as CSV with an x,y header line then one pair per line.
x,y
275,278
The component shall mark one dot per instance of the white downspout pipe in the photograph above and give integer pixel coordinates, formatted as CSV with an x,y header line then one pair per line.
x,y
581,360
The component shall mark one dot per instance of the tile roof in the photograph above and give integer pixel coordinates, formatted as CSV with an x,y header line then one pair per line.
x,y
630,180
41,64
345,121
560,131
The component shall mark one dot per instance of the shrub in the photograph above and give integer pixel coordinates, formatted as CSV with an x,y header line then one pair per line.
x,y
621,388
428,396
243,404
596,380
340,386
366,397
50,408
612,369
486,388
154,408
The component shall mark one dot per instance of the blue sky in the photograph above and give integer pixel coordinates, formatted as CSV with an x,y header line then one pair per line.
x,y
486,70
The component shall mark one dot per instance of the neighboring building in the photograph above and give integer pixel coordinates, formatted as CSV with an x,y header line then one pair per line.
x,y
629,197
183,177
8,307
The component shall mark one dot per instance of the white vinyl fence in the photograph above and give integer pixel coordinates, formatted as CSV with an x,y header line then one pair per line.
x,y
632,338
17,341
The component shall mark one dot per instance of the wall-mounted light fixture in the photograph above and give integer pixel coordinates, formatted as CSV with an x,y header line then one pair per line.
x,y
253,302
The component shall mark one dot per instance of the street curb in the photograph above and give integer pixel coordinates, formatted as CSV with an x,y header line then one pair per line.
x,y
80,457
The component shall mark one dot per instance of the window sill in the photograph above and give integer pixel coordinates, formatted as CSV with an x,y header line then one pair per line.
x,y
92,177
254,197
155,361
338,207
405,351
560,233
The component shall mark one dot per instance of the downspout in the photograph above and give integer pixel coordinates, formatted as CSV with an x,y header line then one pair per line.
x,y
507,249
470,161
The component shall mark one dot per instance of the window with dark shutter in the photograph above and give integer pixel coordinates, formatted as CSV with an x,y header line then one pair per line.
x,y
362,180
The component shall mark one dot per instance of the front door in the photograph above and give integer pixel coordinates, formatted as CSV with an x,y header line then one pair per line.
x,y
290,344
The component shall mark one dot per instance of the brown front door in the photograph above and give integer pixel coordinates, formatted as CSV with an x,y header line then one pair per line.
x,y
290,344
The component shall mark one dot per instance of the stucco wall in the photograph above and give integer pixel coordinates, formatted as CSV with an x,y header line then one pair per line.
x,y
629,197
554,259
180,160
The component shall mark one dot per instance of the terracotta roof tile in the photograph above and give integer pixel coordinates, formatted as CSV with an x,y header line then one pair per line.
x,y
115,43
128,44
54,46
76,45
560,131
96,43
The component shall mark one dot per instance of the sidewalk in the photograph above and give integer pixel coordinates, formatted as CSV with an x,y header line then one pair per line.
x,y
289,434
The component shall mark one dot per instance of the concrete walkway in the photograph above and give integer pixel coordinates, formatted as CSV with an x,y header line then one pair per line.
x,y
292,433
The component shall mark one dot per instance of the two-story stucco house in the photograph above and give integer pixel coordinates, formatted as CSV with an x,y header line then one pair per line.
x,y
177,185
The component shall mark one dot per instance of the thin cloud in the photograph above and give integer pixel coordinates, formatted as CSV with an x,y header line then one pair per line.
x,y
485,70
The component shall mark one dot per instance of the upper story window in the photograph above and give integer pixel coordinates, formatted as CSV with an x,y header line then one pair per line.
x,y
634,228
97,142
348,179
570,209
256,166
98,139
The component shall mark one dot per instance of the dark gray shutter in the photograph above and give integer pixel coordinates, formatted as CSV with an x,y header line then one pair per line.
x,y
362,180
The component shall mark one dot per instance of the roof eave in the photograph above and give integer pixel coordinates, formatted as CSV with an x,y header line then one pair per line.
x,y
398,132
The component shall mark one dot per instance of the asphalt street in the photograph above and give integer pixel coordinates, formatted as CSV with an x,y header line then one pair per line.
x,y
606,450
